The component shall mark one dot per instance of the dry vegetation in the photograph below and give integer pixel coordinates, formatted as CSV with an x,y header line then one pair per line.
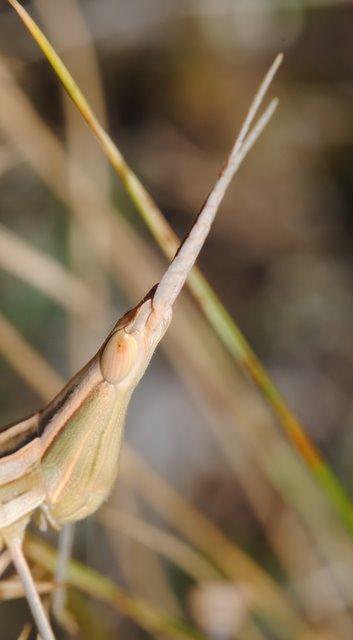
x,y
216,521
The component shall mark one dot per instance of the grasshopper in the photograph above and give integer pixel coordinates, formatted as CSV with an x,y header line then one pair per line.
x,y
63,461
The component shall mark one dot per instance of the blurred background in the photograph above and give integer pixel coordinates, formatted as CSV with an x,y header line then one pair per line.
x,y
215,520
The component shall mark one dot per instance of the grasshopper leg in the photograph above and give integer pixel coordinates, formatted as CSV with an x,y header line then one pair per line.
x,y
66,538
34,601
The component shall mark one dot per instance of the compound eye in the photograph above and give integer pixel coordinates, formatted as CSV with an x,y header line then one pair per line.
x,y
119,356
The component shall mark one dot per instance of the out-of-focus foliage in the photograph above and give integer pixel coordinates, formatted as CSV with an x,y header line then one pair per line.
x,y
172,80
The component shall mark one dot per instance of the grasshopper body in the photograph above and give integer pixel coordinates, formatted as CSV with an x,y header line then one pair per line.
x,y
82,439
64,459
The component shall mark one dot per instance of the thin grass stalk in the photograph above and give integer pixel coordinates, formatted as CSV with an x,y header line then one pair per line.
x,y
34,601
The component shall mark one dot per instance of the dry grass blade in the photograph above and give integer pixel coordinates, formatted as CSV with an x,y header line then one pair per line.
x,y
8,159
162,542
12,589
84,153
232,561
36,143
25,633
25,360
5,561
44,273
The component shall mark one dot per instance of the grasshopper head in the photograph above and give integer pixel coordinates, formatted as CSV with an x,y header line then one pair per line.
x,y
129,348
